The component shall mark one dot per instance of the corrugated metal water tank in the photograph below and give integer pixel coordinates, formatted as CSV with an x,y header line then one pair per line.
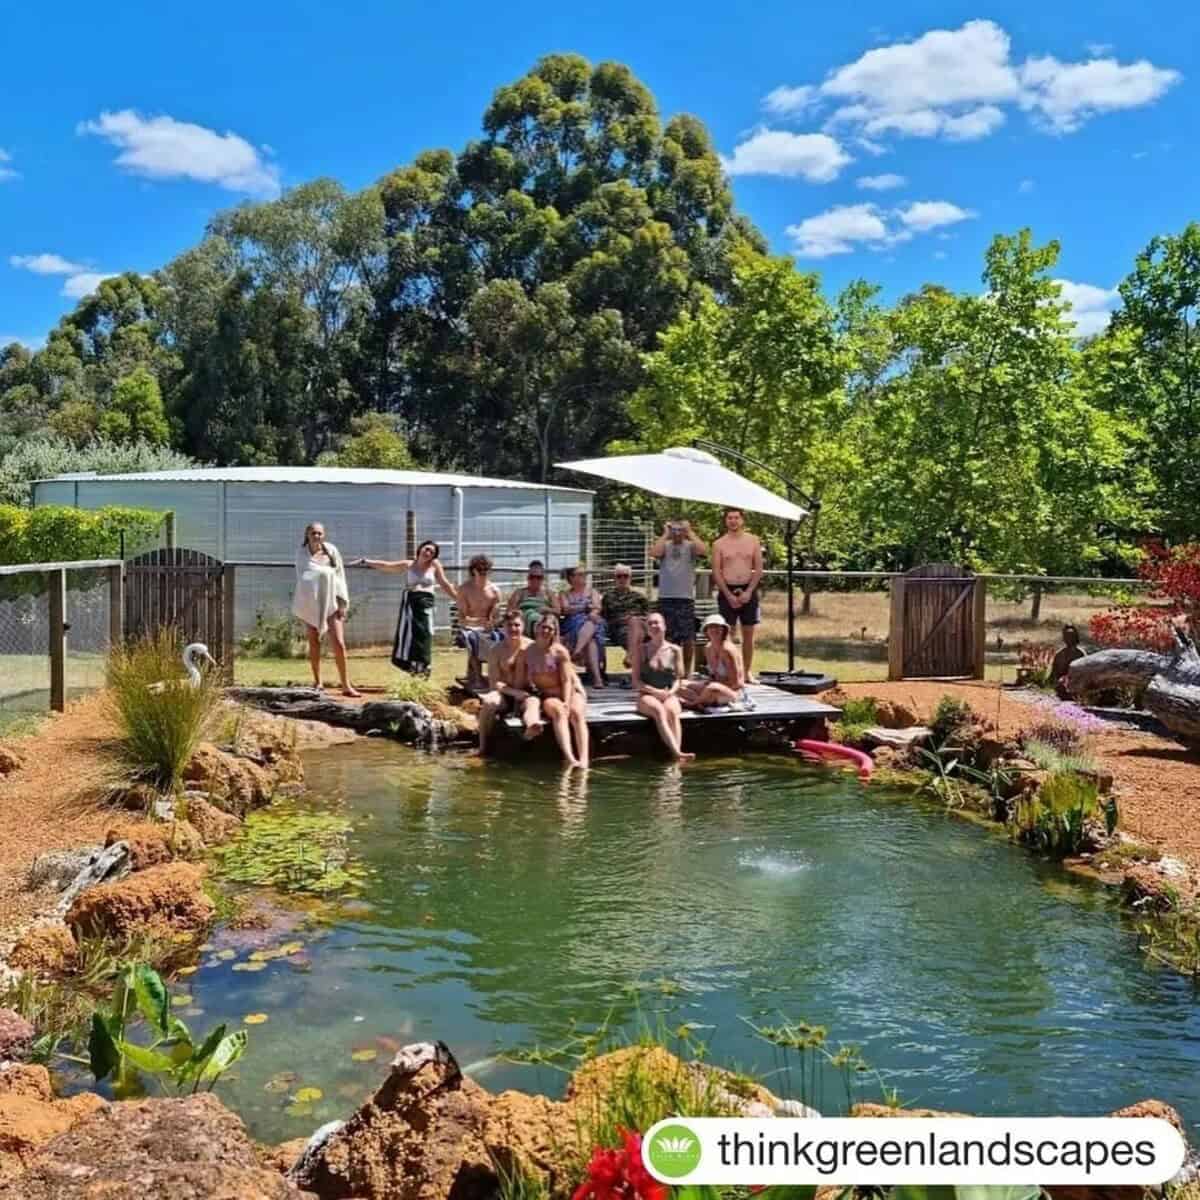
x,y
257,515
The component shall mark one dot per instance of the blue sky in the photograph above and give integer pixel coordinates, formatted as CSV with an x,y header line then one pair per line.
x,y
883,141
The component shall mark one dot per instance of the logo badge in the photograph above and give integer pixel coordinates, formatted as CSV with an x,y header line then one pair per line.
x,y
674,1151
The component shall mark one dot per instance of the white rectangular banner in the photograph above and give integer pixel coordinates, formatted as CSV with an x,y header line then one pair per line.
x,y
898,1150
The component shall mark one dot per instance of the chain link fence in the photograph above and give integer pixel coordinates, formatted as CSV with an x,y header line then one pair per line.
x,y
26,614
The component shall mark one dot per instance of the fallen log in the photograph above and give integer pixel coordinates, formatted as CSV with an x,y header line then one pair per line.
x,y
400,719
1171,682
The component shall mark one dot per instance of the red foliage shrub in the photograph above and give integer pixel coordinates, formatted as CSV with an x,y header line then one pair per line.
x,y
1175,574
620,1174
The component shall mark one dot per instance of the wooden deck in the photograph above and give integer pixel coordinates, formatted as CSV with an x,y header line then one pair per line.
x,y
612,710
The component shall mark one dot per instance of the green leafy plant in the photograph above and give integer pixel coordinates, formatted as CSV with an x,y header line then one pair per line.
x,y
1049,758
292,851
952,720
1055,819
858,715
275,635
161,715
417,690
173,1057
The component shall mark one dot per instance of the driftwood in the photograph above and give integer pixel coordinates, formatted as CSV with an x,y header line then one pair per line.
x,y
401,719
1171,682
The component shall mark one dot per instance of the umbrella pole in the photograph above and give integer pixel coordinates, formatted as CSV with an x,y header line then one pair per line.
x,y
791,593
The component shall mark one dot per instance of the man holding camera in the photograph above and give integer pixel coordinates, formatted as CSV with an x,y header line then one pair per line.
x,y
677,552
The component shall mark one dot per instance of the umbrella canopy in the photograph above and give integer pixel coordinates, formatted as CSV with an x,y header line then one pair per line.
x,y
687,474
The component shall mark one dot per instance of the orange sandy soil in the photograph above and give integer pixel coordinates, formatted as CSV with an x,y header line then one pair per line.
x,y
1157,781
43,806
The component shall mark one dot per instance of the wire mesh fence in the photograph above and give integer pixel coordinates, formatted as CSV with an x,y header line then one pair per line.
x,y
26,635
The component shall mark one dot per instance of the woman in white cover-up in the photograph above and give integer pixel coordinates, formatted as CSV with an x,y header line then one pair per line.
x,y
321,599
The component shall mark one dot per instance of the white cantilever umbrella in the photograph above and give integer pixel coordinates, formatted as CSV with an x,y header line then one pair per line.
x,y
688,474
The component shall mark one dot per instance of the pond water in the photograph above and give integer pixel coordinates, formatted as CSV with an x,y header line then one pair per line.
x,y
499,905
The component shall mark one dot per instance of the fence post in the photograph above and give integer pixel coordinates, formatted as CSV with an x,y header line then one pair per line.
x,y
228,611
169,529
116,606
979,630
58,638
896,628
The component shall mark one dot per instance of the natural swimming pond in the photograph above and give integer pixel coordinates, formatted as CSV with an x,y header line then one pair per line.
x,y
498,904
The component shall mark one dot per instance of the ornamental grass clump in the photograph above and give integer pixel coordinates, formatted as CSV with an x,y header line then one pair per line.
x,y
162,713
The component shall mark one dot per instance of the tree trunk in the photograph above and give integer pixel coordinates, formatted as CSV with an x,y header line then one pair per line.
x,y
1172,683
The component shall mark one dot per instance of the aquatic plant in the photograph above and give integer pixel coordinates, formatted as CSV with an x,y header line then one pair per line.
x,y
417,690
173,1056
1055,819
291,851
161,715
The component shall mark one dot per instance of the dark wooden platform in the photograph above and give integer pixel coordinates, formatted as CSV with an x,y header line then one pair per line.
x,y
613,710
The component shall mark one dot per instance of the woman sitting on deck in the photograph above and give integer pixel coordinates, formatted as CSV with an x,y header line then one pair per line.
x,y
726,677
549,676
583,628
657,672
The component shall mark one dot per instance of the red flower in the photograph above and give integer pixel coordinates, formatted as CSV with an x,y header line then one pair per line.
x,y
620,1174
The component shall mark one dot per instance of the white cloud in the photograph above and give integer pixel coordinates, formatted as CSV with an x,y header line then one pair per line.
x,y
881,183
1025,186
838,230
787,101
45,264
924,215
7,172
956,84
816,157
847,227
1090,306
1098,49
84,283
164,148
1065,95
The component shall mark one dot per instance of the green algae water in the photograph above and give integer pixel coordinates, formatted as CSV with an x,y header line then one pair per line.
x,y
503,906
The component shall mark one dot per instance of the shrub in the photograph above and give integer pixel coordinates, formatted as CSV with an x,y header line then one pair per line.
x,y
57,533
1049,757
45,457
275,635
1175,578
162,716
1061,736
951,720
418,691
1036,660
858,715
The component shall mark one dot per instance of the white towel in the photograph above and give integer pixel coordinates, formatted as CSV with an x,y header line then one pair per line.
x,y
319,588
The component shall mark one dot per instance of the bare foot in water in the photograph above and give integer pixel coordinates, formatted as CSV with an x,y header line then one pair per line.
x,y
686,757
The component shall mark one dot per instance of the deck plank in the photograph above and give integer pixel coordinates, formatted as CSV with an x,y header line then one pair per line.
x,y
612,709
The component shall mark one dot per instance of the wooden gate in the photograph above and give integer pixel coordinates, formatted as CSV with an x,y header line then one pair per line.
x,y
186,590
937,624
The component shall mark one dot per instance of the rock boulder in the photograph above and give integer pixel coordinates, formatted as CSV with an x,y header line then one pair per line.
x,y
30,1117
16,1036
233,784
10,760
154,842
192,1149
168,898
46,949
214,826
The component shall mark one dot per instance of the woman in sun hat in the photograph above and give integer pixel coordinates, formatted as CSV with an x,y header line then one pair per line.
x,y
726,677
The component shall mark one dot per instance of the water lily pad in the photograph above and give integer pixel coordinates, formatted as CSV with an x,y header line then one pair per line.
x,y
226,955
182,1000
193,1012
250,966
205,947
261,956
299,1110
289,948
309,1095
366,1054
187,970
255,1019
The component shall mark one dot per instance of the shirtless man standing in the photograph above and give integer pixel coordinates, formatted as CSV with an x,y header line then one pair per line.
x,y
506,668
478,604
738,569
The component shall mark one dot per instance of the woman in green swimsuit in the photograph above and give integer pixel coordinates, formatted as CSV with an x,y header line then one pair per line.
x,y
657,672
